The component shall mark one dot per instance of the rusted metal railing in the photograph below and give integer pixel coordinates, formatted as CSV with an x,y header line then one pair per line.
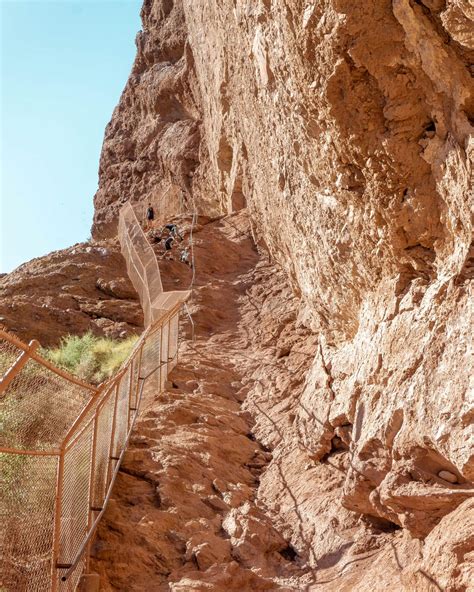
x,y
61,445
62,440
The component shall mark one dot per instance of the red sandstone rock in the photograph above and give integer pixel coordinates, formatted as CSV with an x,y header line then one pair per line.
x,y
346,129
83,288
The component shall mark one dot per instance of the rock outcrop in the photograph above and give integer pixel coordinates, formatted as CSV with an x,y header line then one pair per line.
x,y
79,289
353,151
342,132
151,145
220,488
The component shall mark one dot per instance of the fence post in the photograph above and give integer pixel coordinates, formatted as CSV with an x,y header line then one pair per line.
x,y
177,333
57,522
161,358
140,364
130,390
139,371
92,482
169,335
112,434
17,365
164,356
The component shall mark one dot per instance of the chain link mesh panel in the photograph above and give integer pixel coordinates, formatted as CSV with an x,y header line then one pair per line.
x,y
27,503
173,341
143,269
48,507
134,386
121,413
164,354
74,492
151,360
38,407
142,265
8,355
104,420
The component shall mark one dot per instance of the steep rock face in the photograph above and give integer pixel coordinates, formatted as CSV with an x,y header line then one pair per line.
x,y
353,146
305,110
346,128
83,288
215,495
358,155
151,145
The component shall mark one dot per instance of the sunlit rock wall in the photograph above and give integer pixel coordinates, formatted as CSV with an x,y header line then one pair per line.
x,y
346,128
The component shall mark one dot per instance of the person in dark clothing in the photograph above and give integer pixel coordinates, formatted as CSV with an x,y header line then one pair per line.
x,y
173,230
150,216
168,244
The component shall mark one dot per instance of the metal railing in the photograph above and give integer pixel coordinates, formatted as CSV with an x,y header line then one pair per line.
x,y
61,444
142,268
62,440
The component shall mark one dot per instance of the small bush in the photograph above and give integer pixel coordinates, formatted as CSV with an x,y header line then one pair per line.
x,y
93,359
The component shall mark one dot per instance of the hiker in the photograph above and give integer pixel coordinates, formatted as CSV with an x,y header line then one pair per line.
x,y
173,230
184,257
169,243
150,217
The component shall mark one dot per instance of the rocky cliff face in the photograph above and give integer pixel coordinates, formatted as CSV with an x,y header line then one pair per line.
x,y
151,145
83,288
344,129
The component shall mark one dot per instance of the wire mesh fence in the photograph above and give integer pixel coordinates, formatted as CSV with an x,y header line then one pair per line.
x,y
62,440
142,266
61,445
143,269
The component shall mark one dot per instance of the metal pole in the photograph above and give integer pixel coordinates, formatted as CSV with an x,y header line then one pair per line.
x,y
92,481
56,452
70,567
130,388
139,356
31,351
169,335
168,349
16,367
177,335
112,436
161,357
57,523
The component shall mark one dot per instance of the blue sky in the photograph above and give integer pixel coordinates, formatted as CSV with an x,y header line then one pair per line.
x,y
64,64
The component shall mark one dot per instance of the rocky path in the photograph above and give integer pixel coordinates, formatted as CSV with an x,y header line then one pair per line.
x,y
219,489
183,514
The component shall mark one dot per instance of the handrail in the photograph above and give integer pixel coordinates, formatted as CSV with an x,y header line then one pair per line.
x,y
63,439
31,353
73,565
145,362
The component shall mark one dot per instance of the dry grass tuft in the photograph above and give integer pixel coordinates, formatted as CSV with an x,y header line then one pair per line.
x,y
91,358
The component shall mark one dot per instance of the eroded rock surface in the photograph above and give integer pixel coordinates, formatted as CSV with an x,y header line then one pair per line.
x,y
83,288
346,128
319,434
220,488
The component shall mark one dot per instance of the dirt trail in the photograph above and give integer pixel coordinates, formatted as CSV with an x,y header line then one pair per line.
x,y
217,490
183,510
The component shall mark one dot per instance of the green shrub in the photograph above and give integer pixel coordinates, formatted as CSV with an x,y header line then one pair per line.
x,y
93,359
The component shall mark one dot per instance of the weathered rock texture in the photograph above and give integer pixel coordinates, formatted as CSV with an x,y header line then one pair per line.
x,y
151,146
219,490
345,129
83,288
